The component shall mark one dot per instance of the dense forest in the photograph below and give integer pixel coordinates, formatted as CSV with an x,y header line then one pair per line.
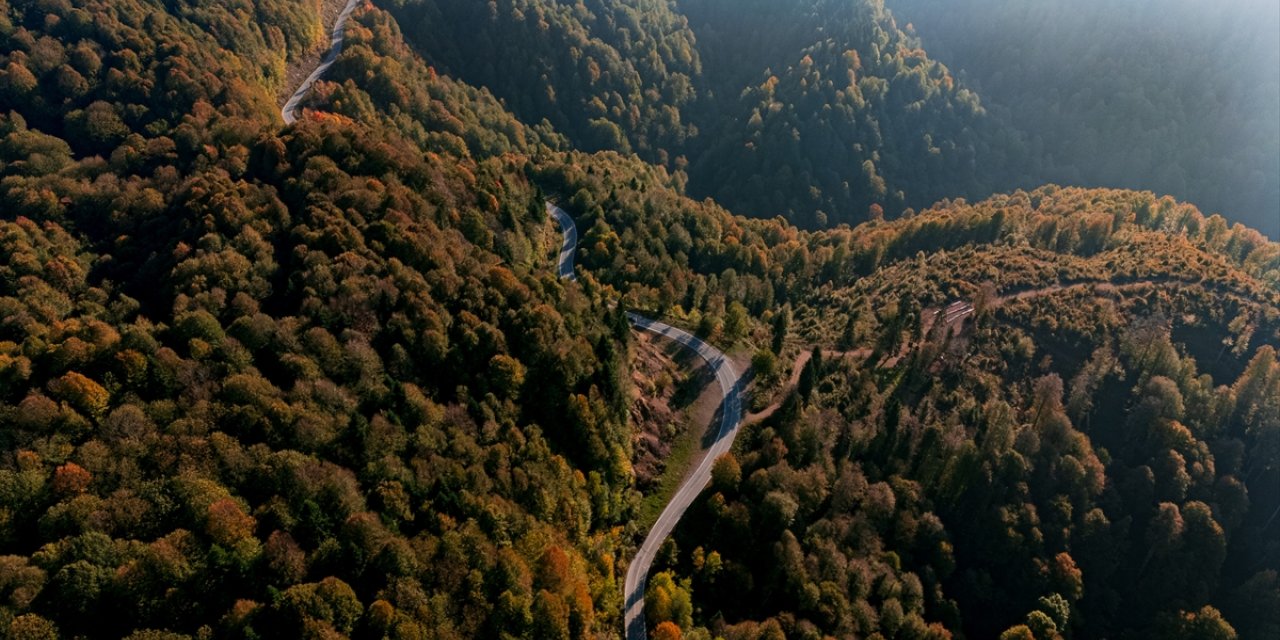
x,y
835,111
322,380
824,113
262,383
845,119
1092,454
1176,96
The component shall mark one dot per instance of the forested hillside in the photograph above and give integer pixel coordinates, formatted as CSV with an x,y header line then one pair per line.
x,y
837,116
1092,455
265,383
822,112
322,380
1176,96
829,111
610,74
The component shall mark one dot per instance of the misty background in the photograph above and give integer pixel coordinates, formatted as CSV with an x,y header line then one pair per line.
x,y
1180,97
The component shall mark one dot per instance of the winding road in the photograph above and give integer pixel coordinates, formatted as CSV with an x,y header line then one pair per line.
x,y
729,379
730,419
294,104
727,376
570,232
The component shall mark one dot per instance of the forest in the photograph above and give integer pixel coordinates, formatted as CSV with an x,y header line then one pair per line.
x,y
1090,455
841,111
831,114
322,381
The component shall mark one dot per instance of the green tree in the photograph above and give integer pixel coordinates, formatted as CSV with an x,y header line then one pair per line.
x,y
668,601
1205,624
765,365
726,473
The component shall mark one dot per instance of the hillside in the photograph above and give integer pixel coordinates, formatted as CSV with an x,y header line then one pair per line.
x,y
815,112
826,112
324,380
264,382
830,112
1090,454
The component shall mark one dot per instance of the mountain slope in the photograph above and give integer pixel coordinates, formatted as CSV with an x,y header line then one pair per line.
x,y
1093,453
810,109
846,117
609,74
257,381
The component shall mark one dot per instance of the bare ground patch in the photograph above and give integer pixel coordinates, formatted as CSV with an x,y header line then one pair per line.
x,y
667,382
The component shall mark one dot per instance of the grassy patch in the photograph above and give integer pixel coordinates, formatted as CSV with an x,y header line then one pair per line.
x,y
683,449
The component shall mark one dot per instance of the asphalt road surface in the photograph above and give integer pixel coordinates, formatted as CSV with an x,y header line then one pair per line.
x,y
294,104
570,244
730,419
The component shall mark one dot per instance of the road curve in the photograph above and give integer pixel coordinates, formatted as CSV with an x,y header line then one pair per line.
x,y
730,419
294,104
570,232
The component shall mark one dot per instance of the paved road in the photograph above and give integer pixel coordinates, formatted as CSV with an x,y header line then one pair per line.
x,y
730,419
570,244
730,380
294,104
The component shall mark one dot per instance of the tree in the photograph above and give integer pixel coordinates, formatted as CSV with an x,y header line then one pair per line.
x,y
1067,579
227,523
99,125
667,631
1057,608
781,324
83,393
1205,624
735,322
1204,548
726,473
1042,626
848,335
32,627
330,604
550,617
1164,532
765,365
778,510
507,375
285,559
20,582
1047,396
71,479
810,374
1018,632
668,601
